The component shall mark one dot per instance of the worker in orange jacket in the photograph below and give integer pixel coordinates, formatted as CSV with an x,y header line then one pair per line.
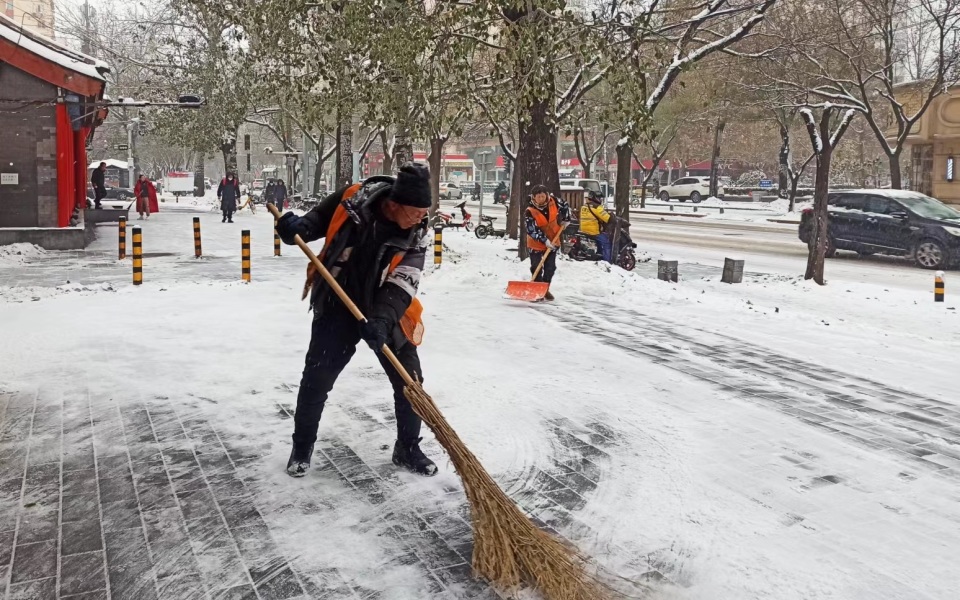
x,y
545,218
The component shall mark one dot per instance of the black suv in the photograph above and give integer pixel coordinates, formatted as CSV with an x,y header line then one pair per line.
x,y
896,222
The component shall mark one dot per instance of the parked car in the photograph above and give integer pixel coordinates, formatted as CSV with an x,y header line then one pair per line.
x,y
450,191
895,222
694,188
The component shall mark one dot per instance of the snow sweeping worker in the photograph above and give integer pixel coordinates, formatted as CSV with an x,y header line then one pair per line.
x,y
229,193
593,219
375,245
545,218
146,195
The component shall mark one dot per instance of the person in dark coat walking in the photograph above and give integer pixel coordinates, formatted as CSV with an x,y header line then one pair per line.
x,y
268,191
99,187
280,194
375,245
229,194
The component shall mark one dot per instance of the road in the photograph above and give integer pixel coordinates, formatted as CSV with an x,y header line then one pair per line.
x,y
766,247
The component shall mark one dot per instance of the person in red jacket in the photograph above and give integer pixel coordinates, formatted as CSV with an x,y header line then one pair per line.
x,y
146,195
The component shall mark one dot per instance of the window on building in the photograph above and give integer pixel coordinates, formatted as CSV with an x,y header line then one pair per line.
x,y
921,169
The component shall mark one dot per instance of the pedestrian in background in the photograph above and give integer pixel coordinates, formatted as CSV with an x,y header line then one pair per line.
x,y
228,192
280,194
99,187
146,195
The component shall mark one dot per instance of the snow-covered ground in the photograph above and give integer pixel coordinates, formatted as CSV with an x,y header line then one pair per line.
x,y
772,439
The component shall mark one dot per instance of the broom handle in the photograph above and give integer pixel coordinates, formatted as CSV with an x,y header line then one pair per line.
x,y
545,255
332,282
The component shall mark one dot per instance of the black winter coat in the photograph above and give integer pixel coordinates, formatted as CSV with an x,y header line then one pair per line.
x,y
96,179
229,193
369,246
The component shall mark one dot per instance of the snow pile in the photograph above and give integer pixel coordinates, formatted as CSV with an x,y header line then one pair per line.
x,y
19,294
18,254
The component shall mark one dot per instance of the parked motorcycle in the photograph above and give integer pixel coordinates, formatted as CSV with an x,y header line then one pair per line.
x,y
446,219
486,228
584,248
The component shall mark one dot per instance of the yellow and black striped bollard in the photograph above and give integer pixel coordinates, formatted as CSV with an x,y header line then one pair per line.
x,y
437,245
137,257
276,239
938,287
197,249
123,238
245,254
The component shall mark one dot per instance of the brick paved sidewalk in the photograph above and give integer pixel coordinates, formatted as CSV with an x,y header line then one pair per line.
x,y
108,500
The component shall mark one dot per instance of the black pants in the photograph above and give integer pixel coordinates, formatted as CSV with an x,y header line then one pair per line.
x,y
549,267
98,195
333,342
228,215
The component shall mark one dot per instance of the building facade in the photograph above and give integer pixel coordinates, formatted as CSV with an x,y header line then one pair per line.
x,y
932,157
58,97
33,15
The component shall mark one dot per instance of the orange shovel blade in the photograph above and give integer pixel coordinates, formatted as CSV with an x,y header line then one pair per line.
x,y
530,291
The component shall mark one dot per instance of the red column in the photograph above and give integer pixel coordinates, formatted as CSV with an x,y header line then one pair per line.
x,y
65,167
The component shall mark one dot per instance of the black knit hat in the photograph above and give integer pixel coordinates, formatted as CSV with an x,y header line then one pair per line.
x,y
412,187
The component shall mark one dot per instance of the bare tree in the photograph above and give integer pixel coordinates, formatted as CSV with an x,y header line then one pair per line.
x,y
825,132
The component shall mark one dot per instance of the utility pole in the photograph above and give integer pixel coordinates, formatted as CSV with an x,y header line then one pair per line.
x,y
86,46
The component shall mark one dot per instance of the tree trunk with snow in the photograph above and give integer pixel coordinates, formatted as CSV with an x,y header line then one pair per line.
x,y
824,142
715,157
621,194
784,161
821,234
229,150
344,171
896,176
387,153
516,202
403,148
436,155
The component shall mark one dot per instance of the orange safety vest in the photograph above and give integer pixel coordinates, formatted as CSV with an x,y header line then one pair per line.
x,y
412,320
547,224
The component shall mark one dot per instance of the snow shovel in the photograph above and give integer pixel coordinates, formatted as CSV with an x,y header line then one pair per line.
x,y
508,548
533,290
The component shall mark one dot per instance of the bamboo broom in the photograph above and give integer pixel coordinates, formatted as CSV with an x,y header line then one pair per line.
x,y
508,549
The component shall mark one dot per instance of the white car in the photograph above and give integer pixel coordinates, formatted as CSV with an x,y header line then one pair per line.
x,y
694,188
450,191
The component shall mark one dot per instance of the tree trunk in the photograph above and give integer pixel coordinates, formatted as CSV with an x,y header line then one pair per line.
x,y
436,155
537,157
344,171
784,160
818,249
794,184
229,150
516,202
621,195
896,176
643,188
387,166
715,157
403,148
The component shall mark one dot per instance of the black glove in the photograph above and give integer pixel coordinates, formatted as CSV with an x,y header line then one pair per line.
x,y
290,225
375,332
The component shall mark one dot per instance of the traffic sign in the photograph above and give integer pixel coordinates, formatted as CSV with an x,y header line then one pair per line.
x,y
122,147
766,183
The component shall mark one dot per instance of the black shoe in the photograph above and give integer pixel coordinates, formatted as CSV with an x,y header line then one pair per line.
x,y
299,461
548,297
409,456
223,220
